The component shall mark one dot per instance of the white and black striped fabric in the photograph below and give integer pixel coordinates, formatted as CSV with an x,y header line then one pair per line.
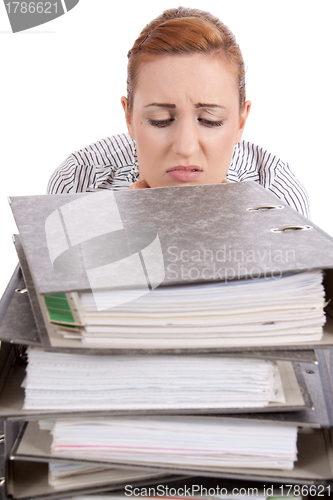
x,y
112,164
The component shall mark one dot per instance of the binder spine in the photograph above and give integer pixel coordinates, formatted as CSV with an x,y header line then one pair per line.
x,y
9,292
325,359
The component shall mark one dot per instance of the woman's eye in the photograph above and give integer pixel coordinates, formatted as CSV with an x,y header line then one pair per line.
x,y
160,123
210,123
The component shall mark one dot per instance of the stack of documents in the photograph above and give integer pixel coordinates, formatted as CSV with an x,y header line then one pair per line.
x,y
181,442
265,311
62,381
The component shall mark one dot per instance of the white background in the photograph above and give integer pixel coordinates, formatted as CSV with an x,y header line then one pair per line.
x,y
61,85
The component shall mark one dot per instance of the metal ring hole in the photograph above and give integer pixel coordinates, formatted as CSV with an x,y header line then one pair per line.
x,y
263,206
290,227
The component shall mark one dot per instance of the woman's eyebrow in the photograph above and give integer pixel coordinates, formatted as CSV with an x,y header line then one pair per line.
x,y
161,105
203,105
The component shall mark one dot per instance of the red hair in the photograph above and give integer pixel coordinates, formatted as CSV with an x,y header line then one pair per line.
x,y
185,31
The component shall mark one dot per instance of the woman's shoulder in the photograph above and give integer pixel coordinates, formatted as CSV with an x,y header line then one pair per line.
x,y
117,150
254,163
109,162
249,160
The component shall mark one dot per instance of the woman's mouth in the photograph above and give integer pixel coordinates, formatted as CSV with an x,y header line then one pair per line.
x,y
185,173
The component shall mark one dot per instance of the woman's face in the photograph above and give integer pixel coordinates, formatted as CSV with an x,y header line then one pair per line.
x,y
185,119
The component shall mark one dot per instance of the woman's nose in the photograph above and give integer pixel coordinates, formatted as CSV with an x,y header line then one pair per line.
x,y
186,140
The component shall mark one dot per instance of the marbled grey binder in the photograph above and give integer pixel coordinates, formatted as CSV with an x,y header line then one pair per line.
x,y
206,232
221,231
17,322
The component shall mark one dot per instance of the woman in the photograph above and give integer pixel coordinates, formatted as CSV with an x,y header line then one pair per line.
x,y
185,111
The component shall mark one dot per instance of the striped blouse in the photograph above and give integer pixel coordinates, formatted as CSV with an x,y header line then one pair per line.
x,y
112,164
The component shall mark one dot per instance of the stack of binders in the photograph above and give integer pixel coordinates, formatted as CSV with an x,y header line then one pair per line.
x,y
166,336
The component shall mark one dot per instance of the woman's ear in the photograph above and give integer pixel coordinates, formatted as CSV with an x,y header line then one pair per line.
x,y
128,116
242,120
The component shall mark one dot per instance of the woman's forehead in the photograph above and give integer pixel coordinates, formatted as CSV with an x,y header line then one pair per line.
x,y
177,76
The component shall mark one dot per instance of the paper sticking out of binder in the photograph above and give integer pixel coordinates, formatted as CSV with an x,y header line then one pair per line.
x,y
204,383
206,443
